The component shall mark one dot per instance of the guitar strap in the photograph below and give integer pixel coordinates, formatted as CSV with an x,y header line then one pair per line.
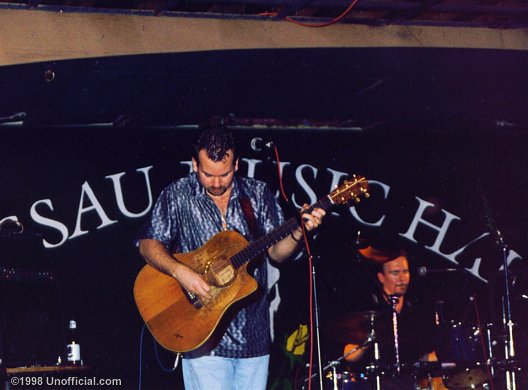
x,y
249,215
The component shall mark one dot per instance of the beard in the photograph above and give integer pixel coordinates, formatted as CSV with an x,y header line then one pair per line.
x,y
217,191
401,289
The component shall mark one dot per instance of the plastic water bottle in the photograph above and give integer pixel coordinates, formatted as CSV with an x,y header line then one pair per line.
x,y
73,348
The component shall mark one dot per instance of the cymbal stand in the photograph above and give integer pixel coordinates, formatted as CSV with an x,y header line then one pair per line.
x,y
374,367
334,376
489,346
377,359
509,349
393,299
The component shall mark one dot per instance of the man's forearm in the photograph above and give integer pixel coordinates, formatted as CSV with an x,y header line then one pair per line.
x,y
286,247
155,254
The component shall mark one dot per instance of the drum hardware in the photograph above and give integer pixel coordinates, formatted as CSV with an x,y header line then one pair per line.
x,y
333,375
355,328
450,375
428,374
509,345
334,363
474,357
489,345
345,380
462,346
503,367
510,364
377,359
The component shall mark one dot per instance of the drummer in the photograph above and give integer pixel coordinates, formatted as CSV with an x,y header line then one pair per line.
x,y
415,325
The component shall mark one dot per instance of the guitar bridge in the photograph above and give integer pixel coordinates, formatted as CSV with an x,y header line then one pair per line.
x,y
220,272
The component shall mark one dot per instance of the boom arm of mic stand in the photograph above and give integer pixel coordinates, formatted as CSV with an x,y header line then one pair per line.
x,y
334,363
368,341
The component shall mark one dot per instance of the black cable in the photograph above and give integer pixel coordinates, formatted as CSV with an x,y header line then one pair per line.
x,y
163,368
141,356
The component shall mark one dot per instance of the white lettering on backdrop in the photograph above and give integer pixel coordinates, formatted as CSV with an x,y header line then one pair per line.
x,y
87,194
304,174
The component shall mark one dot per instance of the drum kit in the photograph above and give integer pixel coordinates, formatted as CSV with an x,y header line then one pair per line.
x,y
466,355
467,358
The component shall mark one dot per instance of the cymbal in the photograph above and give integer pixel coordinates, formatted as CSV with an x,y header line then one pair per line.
x,y
375,255
355,327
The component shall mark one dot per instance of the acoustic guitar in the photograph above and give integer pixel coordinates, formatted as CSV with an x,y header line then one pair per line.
x,y
181,321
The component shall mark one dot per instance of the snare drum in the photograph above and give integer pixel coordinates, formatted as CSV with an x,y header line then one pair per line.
x,y
428,376
434,383
468,378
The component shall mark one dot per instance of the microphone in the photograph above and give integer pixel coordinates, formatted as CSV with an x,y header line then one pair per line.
x,y
394,299
19,116
423,271
258,144
11,225
370,337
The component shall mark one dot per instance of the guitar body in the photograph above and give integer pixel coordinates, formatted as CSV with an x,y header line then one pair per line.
x,y
178,322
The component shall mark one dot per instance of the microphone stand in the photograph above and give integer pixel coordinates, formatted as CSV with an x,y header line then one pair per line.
x,y
316,318
375,367
509,348
393,300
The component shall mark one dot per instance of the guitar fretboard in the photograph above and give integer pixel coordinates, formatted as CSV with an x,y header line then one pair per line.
x,y
259,246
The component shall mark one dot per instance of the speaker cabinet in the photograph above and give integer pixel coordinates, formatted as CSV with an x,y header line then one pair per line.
x,y
30,323
31,327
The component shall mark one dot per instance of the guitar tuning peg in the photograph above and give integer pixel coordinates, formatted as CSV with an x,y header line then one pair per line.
x,y
367,195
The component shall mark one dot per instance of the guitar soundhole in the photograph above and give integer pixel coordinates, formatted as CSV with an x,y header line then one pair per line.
x,y
220,272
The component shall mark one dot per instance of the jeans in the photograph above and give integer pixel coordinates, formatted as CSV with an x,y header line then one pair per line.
x,y
220,373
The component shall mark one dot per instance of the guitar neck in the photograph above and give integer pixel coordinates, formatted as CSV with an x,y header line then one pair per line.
x,y
260,245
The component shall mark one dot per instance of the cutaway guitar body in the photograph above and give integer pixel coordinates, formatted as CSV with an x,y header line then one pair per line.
x,y
180,321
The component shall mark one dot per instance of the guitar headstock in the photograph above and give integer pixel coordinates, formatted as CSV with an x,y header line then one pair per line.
x,y
351,189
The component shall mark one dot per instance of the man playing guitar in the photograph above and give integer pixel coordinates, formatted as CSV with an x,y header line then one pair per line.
x,y
187,214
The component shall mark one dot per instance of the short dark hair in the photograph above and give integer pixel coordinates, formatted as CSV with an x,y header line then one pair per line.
x,y
392,253
216,141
